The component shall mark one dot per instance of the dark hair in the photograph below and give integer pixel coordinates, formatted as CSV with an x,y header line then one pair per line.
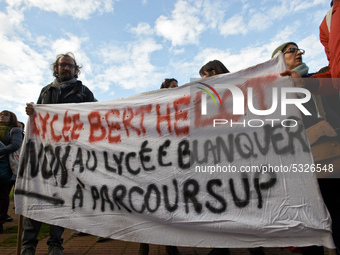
x,y
68,54
13,121
23,129
23,125
166,83
215,65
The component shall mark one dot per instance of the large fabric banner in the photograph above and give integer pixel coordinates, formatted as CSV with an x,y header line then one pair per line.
x,y
220,162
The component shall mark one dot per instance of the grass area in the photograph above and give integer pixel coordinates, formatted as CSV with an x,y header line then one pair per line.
x,y
9,242
12,240
44,231
11,230
11,194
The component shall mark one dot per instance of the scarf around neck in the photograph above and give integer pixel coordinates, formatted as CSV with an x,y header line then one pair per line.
x,y
61,85
4,128
302,69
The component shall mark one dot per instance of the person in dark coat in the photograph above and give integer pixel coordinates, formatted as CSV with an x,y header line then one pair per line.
x,y
10,141
66,88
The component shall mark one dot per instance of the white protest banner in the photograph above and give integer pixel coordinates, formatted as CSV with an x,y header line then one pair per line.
x,y
174,167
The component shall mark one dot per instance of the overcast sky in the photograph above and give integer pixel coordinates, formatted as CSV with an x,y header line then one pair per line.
x,y
129,46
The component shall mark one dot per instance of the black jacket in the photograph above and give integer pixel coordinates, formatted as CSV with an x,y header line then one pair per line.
x,y
74,93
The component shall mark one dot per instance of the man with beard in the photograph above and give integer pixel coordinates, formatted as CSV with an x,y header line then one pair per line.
x,y
64,89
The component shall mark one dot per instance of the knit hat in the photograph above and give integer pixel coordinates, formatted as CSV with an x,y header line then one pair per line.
x,y
281,47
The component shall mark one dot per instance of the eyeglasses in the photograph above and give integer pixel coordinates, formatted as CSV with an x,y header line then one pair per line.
x,y
294,50
63,65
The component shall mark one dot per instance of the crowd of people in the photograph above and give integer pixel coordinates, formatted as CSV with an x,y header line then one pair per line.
x,y
66,88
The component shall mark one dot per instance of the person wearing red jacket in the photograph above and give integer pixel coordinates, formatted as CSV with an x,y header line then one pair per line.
x,y
330,39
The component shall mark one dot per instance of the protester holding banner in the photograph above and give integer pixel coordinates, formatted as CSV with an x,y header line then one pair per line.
x,y
144,247
212,68
10,141
169,83
293,58
319,106
66,88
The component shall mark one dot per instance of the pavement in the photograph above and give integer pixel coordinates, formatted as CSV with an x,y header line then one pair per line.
x,y
88,245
